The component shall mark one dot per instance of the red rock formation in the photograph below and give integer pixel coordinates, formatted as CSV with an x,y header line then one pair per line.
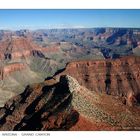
x,y
18,47
12,68
24,53
8,69
40,107
118,77
53,49
15,48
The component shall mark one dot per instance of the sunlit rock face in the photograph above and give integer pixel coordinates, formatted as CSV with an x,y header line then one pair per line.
x,y
118,77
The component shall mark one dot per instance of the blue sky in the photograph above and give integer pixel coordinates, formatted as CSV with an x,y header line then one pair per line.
x,y
38,19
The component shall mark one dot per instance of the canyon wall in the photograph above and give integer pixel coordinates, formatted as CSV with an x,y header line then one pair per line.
x,y
118,77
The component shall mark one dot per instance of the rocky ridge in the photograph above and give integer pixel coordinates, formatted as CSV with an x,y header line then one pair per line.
x,y
40,107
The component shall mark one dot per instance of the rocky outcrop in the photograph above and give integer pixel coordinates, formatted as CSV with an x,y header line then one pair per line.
x,y
20,47
17,47
118,77
70,82
11,68
41,107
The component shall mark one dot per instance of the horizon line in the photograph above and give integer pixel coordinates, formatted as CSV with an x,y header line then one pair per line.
x,y
8,29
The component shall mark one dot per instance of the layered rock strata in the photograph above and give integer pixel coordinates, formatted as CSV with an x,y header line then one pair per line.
x,y
118,77
40,107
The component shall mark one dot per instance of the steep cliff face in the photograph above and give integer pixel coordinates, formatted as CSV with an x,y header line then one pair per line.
x,y
118,77
40,107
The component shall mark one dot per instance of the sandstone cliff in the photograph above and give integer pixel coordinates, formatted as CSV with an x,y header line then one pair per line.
x,y
118,77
